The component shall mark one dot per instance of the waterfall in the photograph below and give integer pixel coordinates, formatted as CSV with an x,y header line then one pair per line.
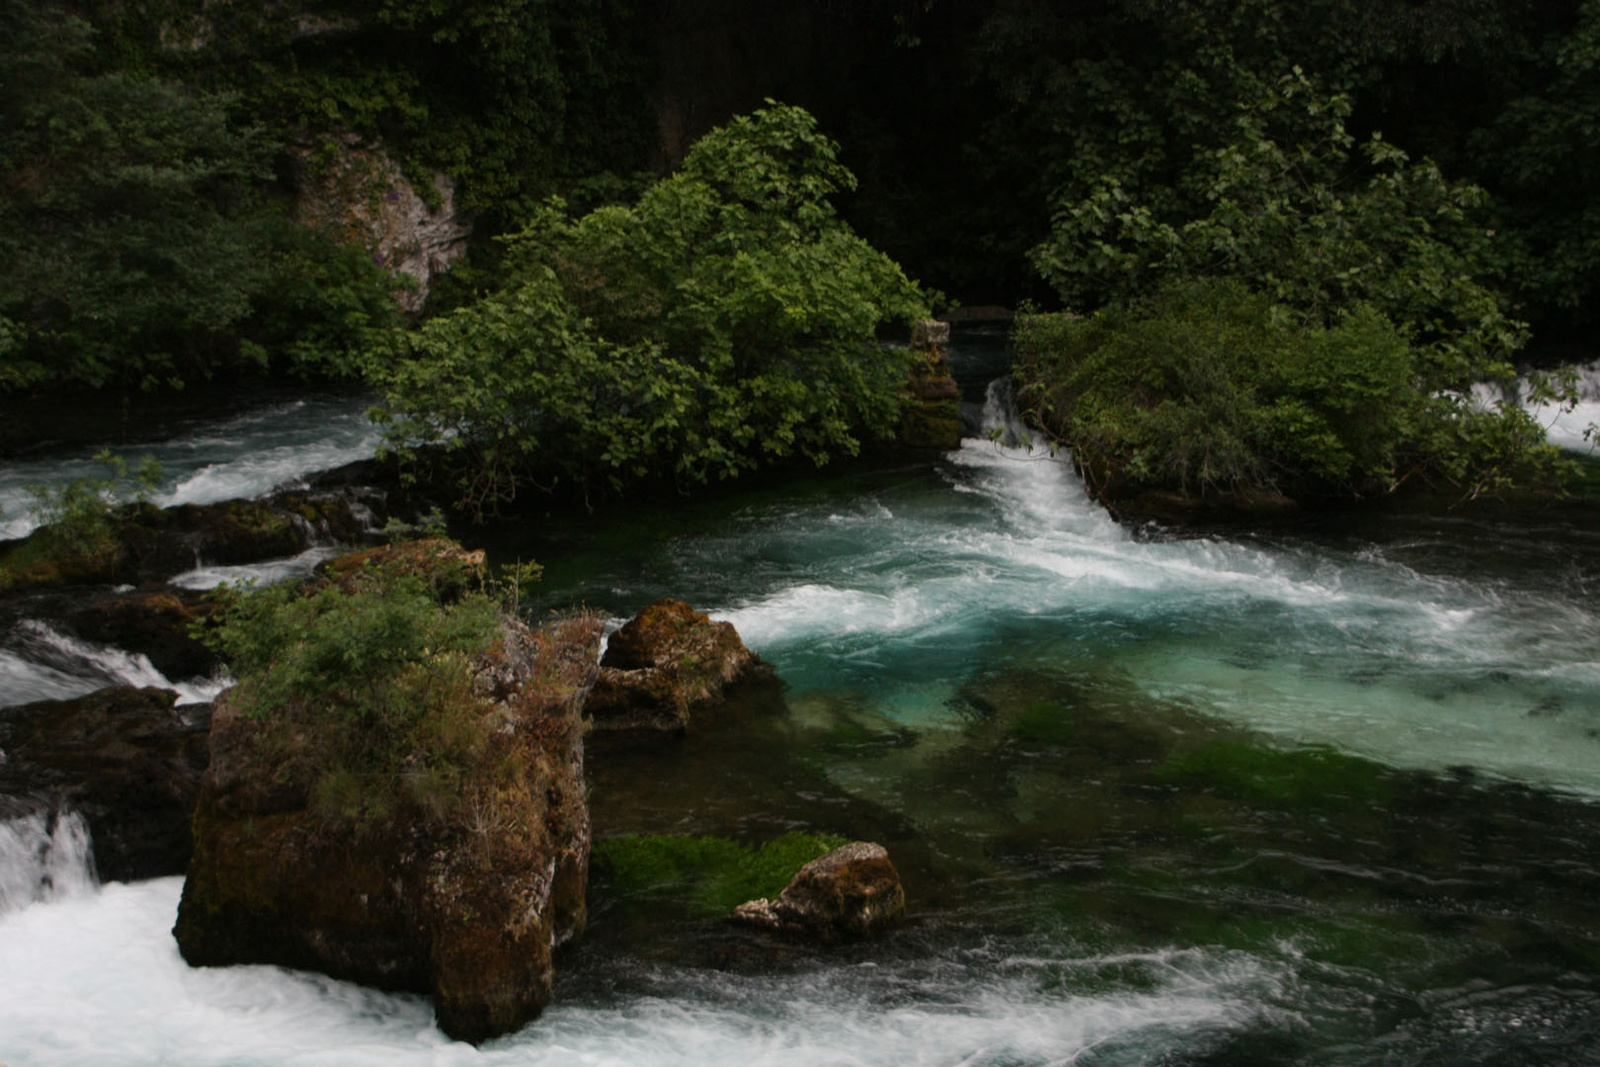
x,y
44,856
1565,427
40,663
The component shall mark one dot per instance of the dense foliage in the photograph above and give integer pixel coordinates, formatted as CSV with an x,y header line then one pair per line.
x,y
369,676
509,97
136,244
725,320
1208,388
1338,358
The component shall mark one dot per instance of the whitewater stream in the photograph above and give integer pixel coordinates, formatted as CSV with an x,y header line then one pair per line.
x,y
1322,795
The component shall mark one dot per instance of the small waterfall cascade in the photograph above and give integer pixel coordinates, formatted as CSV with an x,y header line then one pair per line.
x,y
1001,422
44,856
1567,426
37,662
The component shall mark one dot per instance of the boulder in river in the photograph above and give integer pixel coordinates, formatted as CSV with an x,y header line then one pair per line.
x,y
126,759
461,884
850,893
663,664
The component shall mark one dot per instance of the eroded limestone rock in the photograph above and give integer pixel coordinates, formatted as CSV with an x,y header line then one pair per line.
x,y
464,897
852,892
362,192
667,661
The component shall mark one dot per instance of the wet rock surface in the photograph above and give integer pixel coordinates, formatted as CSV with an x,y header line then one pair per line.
x,y
665,663
850,893
128,760
144,544
156,625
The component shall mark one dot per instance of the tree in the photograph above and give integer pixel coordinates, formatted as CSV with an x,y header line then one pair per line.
x,y
1286,206
725,320
136,247
1315,326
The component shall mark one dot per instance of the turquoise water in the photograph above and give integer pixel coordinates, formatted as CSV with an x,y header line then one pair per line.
x,y
1322,795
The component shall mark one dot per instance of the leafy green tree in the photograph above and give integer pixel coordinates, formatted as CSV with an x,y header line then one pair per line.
x,y
725,320
1295,318
1541,154
1208,388
510,97
1287,206
135,245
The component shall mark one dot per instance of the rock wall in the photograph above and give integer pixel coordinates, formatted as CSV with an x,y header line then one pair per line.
x,y
360,190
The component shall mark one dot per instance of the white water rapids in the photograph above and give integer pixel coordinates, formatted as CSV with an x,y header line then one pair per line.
x,y
244,456
1396,647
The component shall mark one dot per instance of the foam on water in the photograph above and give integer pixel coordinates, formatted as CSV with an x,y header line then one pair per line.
x,y
98,981
244,456
1311,644
44,856
1566,426
40,663
267,572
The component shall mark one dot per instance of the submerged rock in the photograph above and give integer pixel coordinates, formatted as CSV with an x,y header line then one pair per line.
x,y
665,662
461,888
126,759
852,892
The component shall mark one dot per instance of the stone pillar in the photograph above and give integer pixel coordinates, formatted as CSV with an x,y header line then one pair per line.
x,y
931,418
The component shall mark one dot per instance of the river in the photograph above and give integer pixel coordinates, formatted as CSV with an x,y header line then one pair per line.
x,y
1320,795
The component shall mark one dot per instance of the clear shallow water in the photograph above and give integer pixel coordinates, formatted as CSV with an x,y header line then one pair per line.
x,y
900,590
1083,745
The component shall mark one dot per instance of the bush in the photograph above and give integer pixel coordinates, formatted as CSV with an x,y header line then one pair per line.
x,y
1293,211
78,533
372,675
1208,388
725,320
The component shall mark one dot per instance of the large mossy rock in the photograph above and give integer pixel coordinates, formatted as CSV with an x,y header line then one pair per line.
x,y
126,759
662,665
465,895
850,893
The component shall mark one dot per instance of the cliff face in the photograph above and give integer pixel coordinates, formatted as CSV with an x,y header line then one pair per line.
x,y
361,192
464,898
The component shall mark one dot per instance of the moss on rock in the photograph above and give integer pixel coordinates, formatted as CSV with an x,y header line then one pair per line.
x,y
452,861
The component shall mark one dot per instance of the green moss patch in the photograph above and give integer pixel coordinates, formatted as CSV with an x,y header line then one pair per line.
x,y
1043,722
1311,776
712,875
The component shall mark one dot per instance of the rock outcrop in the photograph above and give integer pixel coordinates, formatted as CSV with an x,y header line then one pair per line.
x,y
662,665
362,192
852,892
155,625
126,759
144,543
931,417
463,891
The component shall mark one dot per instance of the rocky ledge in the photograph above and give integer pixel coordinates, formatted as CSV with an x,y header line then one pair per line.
x,y
125,759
